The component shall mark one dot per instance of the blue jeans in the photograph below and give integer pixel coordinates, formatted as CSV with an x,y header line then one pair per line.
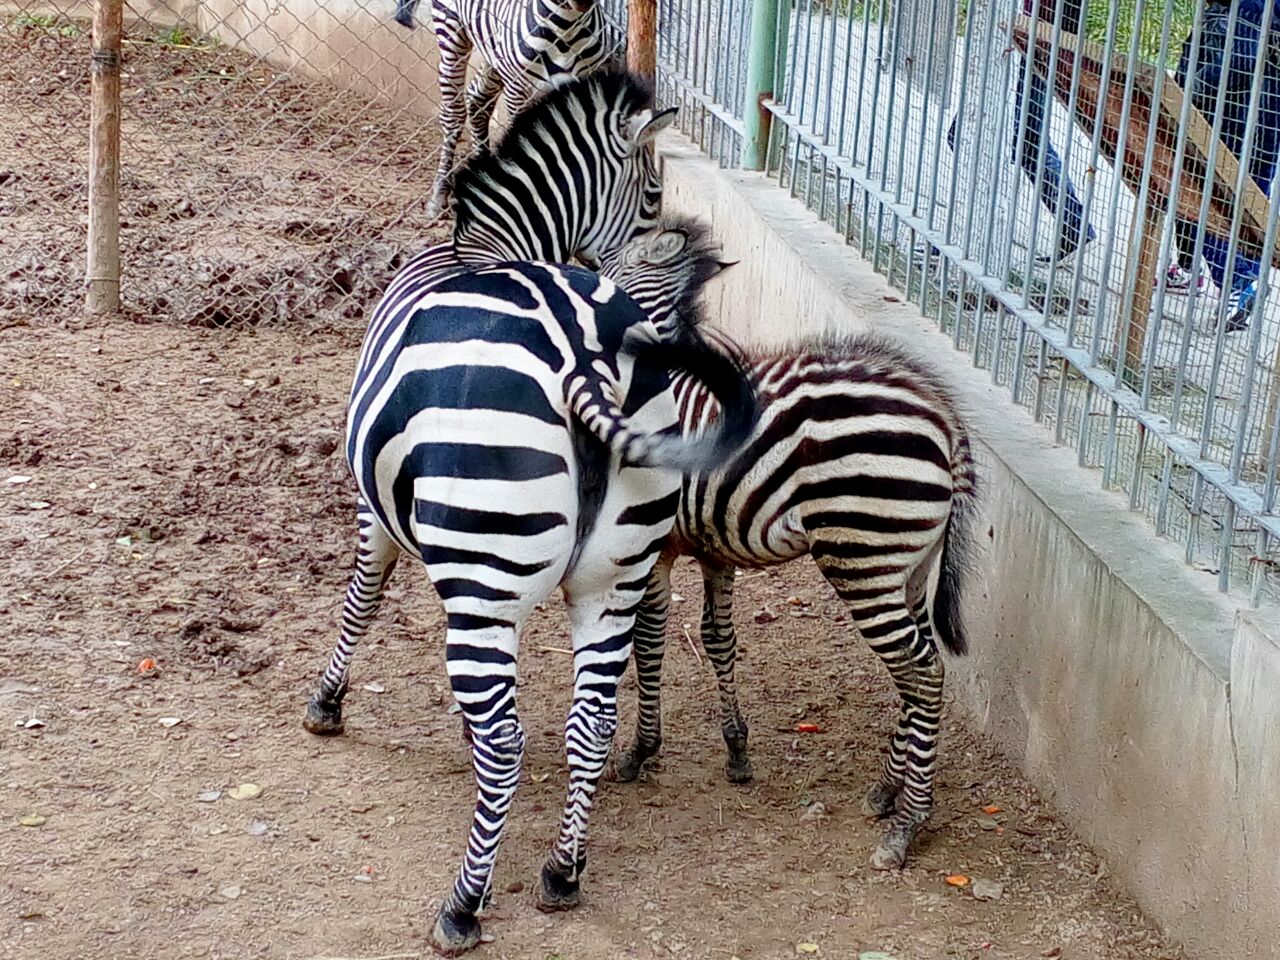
x,y
1215,255
1053,178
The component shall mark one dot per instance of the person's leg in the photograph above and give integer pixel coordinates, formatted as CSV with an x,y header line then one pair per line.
x,y
1052,180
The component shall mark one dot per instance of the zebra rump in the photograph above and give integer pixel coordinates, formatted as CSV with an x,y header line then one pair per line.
x,y
875,351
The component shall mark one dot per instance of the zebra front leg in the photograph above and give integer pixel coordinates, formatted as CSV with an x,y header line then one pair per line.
x,y
481,658
601,645
904,790
375,560
482,97
721,644
649,638
455,48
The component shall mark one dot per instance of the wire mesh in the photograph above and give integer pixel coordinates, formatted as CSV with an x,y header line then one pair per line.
x,y
702,68
276,158
1084,210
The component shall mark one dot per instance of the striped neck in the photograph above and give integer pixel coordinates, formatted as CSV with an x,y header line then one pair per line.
x,y
572,178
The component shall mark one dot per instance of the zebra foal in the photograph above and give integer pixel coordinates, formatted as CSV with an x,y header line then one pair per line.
x,y
511,425
526,46
859,459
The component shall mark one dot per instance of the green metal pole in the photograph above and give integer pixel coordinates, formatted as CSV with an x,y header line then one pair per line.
x,y
762,56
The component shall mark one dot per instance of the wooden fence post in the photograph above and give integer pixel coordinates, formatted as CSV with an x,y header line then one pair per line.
x,y
642,37
102,274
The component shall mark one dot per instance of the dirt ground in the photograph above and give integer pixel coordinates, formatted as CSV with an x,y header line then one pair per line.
x,y
172,489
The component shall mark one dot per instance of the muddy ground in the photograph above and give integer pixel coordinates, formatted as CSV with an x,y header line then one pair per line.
x,y
172,490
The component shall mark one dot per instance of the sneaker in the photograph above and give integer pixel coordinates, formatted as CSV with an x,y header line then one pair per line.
x,y
1241,303
1180,281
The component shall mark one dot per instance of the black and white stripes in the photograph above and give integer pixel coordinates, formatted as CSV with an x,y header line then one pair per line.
x,y
526,46
512,425
860,460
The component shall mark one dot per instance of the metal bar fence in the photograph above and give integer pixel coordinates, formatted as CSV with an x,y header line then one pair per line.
x,y
1082,207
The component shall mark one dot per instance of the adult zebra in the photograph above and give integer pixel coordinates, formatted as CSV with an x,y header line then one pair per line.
x,y
505,428
859,459
526,46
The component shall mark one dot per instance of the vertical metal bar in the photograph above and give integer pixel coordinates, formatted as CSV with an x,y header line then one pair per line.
x,y
1095,342
1135,478
102,271
1211,162
762,55
1095,158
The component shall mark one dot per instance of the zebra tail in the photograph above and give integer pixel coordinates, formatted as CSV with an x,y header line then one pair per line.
x,y
957,549
723,375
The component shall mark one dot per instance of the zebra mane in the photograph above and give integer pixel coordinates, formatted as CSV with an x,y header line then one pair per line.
x,y
624,92
875,351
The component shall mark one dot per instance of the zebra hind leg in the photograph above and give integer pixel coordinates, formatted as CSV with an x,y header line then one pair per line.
x,y
481,661
375,560
602,630
904,791
649,646
721,644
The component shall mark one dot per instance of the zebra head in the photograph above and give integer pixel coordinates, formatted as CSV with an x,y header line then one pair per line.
x,y
574,176
664,271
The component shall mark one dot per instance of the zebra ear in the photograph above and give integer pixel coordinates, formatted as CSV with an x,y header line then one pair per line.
x,y
668,245
642,127
722,266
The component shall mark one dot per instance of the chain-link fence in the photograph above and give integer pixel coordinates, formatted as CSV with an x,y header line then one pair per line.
x,y
276,156
1083,207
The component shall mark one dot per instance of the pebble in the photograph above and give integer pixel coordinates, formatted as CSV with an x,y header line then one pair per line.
x,y
815,811
987,890
230,892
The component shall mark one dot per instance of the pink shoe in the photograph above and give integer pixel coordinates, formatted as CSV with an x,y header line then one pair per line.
x,y
1178,281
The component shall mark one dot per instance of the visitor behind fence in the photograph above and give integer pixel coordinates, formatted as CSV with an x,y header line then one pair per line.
x,y
1052,181
1250,52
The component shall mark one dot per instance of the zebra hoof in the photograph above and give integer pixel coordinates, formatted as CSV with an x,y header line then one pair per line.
x,y
454,933
632,760
879,801
558,891
324,717
891,854
738,770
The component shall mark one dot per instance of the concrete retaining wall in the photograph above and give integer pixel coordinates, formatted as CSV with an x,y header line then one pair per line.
x,y
353,44
1128,689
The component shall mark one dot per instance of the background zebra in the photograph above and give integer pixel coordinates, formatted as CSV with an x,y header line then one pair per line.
x,y
505,428
859,459
526,45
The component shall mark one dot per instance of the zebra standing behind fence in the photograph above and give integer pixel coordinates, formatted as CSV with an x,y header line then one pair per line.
x,y
505,429
859,459
526,45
